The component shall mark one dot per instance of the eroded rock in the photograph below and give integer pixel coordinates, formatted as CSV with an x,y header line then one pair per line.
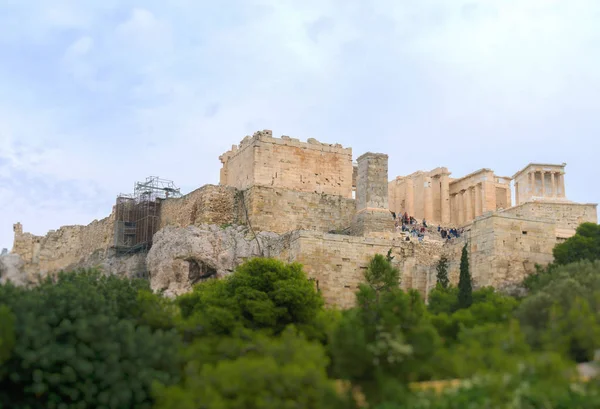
x,y
181,257
11,269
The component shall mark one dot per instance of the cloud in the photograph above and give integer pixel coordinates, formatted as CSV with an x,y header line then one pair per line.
x,y
144,32
99,95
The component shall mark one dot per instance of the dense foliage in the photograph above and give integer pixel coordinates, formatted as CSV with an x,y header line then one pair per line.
x,y
82,340
442,272
263,338
584,245
465,288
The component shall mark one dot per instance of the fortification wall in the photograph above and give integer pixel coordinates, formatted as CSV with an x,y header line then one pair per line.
x,y
63,248
504,249
285,162
269,209
209,204
566,216
338,262
281,210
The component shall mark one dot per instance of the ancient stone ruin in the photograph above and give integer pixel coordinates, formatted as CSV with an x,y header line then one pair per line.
x,y
308,202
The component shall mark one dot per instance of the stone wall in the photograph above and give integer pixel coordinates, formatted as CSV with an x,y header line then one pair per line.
x,y
63,248
285,162
281,210
338,262
372,210
208,205
504,249
566,216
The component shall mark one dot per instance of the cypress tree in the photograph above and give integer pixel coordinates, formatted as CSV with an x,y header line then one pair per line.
x,y
442,272
465,289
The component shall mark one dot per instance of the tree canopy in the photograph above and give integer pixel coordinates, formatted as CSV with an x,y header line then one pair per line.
x,y
584,245
263,338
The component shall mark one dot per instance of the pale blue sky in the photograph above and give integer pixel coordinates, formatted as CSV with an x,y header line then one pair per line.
x,y
95,95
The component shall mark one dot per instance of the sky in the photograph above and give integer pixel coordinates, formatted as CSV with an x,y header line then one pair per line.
x,y
95,95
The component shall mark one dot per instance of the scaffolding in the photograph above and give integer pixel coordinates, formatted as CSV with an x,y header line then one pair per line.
x,y
137,215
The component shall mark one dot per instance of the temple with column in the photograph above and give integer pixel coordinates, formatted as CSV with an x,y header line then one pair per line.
x,y
540,181
309,202
440,199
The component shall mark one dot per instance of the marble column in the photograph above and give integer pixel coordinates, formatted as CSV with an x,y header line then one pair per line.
x,y
553,184
561,179
532,183
461,206
468,207
478,207
445,198
543,178
410,197
428,200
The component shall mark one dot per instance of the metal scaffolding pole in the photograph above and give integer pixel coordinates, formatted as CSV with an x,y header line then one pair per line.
x,y
137,215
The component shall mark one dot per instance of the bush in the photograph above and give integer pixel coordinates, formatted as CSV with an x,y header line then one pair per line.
x,y
262,294
79,342
254,371
584,245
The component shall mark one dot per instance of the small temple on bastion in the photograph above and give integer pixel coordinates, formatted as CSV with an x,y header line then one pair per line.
x,y
311,202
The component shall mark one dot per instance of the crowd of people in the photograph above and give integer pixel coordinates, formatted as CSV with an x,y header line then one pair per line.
x,y
406,223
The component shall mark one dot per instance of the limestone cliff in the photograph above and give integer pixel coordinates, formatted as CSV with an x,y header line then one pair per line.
x,y
181,257
11,269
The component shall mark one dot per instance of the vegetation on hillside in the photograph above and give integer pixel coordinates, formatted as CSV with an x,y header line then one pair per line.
x,y
263,338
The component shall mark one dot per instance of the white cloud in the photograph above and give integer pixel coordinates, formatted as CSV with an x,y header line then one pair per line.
x,y
144,32
165,88
80,47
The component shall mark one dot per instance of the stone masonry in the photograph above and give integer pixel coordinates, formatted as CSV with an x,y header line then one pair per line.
x,y
372,210
293,200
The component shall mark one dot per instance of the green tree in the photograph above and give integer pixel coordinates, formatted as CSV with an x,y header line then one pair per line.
x,y
489,307
442,272
574,330
443,300
488,348
262,294
254,371
381,275
386,340
557,294
7,333
465,289
79,342
584,245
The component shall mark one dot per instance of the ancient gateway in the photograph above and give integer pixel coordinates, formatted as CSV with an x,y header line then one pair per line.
x,y
309,202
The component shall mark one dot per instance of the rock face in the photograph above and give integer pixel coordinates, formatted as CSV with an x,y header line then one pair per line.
x,y
181,257
11,269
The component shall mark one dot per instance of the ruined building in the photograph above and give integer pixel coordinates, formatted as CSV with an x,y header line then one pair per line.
x,y
308,202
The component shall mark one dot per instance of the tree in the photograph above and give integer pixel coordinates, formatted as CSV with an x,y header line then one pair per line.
x,y
488,307
254,371
386,340
381,275
465,289
262,294
442,272
574,332
79,343
584,245
558,293
7,333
